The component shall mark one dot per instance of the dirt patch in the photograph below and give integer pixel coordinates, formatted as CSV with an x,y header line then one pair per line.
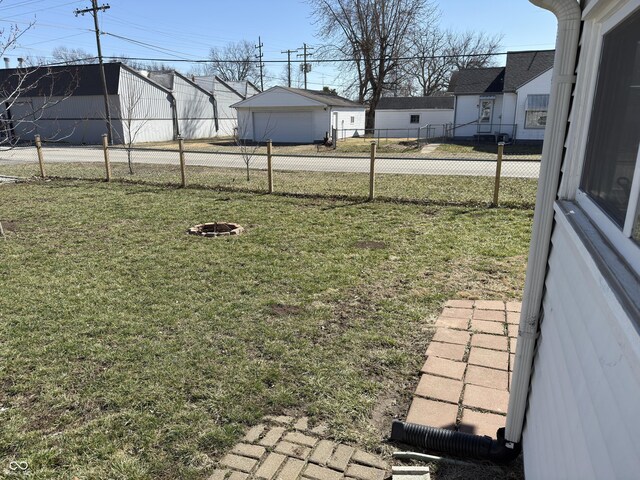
x,y
371,245
9,225
282,310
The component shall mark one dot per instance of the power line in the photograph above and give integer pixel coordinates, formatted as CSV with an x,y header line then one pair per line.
x,y
261,65
289,52
94,12
319,60
306,67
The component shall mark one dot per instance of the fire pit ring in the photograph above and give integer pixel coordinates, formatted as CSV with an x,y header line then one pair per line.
x,y
216,229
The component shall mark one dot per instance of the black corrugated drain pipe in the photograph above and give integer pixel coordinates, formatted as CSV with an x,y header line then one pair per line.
x,y
456,443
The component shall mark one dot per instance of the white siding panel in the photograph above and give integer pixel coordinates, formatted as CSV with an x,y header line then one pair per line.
x,y
145,110
582,420
196,116
466,115
539,85
346,129
397,123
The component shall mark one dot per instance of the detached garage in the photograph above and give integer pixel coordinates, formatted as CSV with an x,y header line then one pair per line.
x,y
291,115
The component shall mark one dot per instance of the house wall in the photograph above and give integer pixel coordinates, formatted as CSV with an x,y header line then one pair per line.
x,y
466,115
145,110
582,420
77,119
509,102
346,129
196,115
539,85
397,123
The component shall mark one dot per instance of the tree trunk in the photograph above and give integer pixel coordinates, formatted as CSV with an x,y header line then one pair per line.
x,y
129,161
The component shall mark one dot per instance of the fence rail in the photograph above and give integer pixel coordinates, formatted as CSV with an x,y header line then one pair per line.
x,y
452,175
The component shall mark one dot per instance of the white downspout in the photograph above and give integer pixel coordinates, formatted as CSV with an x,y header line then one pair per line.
x,y
568,13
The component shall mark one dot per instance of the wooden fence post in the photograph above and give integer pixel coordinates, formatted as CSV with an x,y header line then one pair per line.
x,y
183,173
40,158
269,166
496,188
105,148
372,172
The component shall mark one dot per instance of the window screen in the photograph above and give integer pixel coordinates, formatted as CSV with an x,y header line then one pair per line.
x,y
415,119
614,131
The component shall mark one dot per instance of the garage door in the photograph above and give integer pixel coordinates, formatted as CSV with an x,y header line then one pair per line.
x,y
285,127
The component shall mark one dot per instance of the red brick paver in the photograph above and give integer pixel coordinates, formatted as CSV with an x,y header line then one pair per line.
x,y
489,358
432,413
485,398
481,423
469,364
447,335
459,303
446,350
492,342
486,326
444,368
449,322
440,388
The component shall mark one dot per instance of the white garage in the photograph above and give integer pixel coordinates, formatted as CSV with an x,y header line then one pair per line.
x,y
287,127
291,115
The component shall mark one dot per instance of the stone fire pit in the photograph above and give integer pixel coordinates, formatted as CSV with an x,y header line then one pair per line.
x,y
216,229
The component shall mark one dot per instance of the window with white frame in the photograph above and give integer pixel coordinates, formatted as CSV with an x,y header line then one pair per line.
x,y
611,172
536,111
414,119
353,120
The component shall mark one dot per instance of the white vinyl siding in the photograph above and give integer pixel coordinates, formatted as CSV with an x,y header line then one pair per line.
x,y
582,420
397,123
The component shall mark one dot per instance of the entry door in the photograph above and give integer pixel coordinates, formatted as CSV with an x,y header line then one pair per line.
x,y
486,116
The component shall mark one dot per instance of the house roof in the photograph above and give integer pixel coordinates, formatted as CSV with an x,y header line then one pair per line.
x,y
416,103
329,99
522,67
60,81
319,96
477,80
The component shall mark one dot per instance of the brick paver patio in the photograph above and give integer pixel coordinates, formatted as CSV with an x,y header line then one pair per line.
x,y
465,380
285,448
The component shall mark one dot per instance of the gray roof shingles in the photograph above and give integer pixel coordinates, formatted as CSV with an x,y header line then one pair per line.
x,y
416,103
521,68
327,98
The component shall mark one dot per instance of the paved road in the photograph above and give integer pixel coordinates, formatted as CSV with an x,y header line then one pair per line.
x,y
415,166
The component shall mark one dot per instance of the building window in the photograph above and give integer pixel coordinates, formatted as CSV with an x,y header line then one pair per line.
x,y
414,119
611,172
353,120
536,111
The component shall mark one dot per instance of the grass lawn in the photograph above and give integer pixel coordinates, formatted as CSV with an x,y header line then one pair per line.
x,y
129,349
521,150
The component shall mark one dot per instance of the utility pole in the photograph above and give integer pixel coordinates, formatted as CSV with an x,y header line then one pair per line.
x,y
289,52
259,57
306,67
94,11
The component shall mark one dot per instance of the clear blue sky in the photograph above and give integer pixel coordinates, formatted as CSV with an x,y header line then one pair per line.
x,y
188,28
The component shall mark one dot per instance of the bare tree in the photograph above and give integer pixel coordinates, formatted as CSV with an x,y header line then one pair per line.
x,y
248,148
141,65
72,56
133,118
473,49
437,53
235,62
374,35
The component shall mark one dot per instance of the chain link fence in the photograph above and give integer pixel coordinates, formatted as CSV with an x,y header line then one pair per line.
x,y
453,173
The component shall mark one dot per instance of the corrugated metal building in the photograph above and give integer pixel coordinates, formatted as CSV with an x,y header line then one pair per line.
x,y
66,104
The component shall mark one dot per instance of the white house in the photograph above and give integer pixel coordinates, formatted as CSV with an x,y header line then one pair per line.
x,y
66,103
576,385
226,94
292,115
504,102
413,117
